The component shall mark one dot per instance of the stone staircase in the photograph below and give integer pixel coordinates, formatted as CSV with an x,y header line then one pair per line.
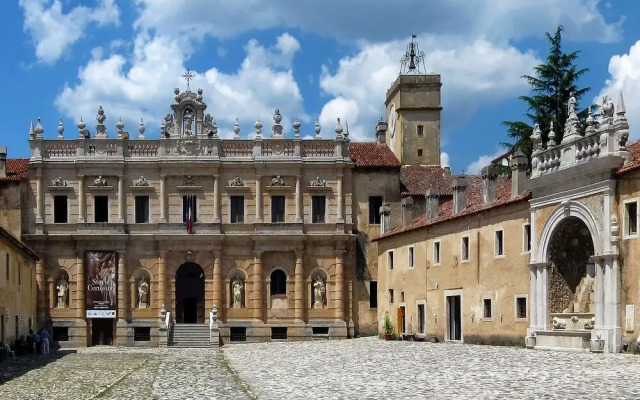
x,y
190,335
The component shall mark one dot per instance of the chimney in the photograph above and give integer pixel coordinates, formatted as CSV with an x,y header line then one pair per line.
x,y
407,211
519,180
385,212
459,193
3,161
490,183
381,133
446,172
432,203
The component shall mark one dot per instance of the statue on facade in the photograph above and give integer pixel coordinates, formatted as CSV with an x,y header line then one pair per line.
x,y
63,292
237,181
59,182
237,293
100,181
277,181
318,182
571,106
167,126
142,181
607,107
143,294
318,293
188,122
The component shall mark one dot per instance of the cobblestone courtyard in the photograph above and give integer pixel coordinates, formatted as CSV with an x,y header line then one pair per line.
x,y
351,369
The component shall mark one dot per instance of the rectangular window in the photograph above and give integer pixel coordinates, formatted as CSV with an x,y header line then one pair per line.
x,y
238,333
318,206
411,257
277,208
60,334
391,296
499,250
375,202
402,296
60,209
101,208
487,311
142,209
390,260
189,207
631,218
521,307
526,238
419,152
421,318
464,255
320,331
279,333
237,209
373,294
436,253
141,334
420,130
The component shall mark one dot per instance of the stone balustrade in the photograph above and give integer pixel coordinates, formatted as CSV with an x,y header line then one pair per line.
x,y
211,148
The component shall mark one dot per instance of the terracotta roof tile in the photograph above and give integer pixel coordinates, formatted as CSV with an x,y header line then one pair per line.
x,y
417,179
475,204
372,154
17,168
634,150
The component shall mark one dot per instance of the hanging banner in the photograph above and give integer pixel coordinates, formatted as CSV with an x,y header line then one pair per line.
x,y
101,277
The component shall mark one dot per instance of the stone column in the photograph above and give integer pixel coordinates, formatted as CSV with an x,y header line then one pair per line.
x,y
41,303
299,287
599,293
82,200
162,280
608,296
122,285
298,199
216,199
121,199
259,208
542,316
339,283
533,298
132,293
39,197
80,283
616,329
52,293
163,195
340,199
217,280
257,285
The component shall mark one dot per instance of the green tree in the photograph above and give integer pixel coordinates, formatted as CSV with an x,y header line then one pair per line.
x,y
550,89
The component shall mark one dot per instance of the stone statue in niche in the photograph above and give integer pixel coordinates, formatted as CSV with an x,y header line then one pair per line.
x,y
318,293
100,181
188,122
143,293
238,287
63,292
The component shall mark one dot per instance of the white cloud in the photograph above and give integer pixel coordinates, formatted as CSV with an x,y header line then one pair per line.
x,y
138,87
53,31
625,77
444,159
476,167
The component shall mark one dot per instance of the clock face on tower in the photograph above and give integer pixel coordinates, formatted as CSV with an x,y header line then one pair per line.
x,y
392,120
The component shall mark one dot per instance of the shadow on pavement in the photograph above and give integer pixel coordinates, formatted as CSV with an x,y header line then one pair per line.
x,y
11,368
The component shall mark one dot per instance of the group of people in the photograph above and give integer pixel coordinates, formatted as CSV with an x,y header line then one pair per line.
x,y
38,341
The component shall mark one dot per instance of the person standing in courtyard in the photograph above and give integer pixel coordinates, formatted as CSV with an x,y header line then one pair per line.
x,y
36,340
44,335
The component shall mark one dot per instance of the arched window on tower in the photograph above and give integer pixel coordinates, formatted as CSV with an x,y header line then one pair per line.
x,y
278,282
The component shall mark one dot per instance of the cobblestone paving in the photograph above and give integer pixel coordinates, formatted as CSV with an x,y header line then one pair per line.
x,y
350,369
123,373
369,368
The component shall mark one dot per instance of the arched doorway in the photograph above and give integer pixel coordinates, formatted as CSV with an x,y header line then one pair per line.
x,y
190,294
571,276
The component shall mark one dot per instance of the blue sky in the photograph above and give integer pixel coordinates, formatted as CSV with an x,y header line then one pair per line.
x,y
313,60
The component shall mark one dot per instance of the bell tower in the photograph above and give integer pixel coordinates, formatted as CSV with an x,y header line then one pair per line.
x,y
413,111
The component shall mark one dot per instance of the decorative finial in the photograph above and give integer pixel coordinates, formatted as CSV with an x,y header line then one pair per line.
x,y
188,75
277,128
141,129
590,123
412,59
199,97
552,135
338,130
621,108
346,129
236,130
101,130
258,126
60,129
119,128
214,130
32,134
39,130
296,128
317,129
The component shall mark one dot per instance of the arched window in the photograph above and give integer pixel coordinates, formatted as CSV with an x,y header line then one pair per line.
x,y
278,282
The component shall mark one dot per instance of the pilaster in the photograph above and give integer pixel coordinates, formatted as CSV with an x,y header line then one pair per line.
x,y
82,200
162,280
217,279
216,199
298,199
339,282
80,284
259,208
340,218
257,285
163,195
121,199
299,287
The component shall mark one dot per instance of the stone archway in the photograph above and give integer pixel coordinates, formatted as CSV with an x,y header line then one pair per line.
x,y
190,294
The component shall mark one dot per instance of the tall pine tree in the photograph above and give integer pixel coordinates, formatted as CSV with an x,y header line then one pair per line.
x,y
550,89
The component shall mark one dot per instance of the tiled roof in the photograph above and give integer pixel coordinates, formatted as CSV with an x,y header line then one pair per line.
x,y
17,168
475,204
634,150
372,154
18,243
417,179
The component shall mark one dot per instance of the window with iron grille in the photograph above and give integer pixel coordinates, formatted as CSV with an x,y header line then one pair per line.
x,y
320,330
279,332
141,334
60,334
238,334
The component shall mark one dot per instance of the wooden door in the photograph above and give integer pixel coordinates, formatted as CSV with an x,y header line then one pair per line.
x,y
400,320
